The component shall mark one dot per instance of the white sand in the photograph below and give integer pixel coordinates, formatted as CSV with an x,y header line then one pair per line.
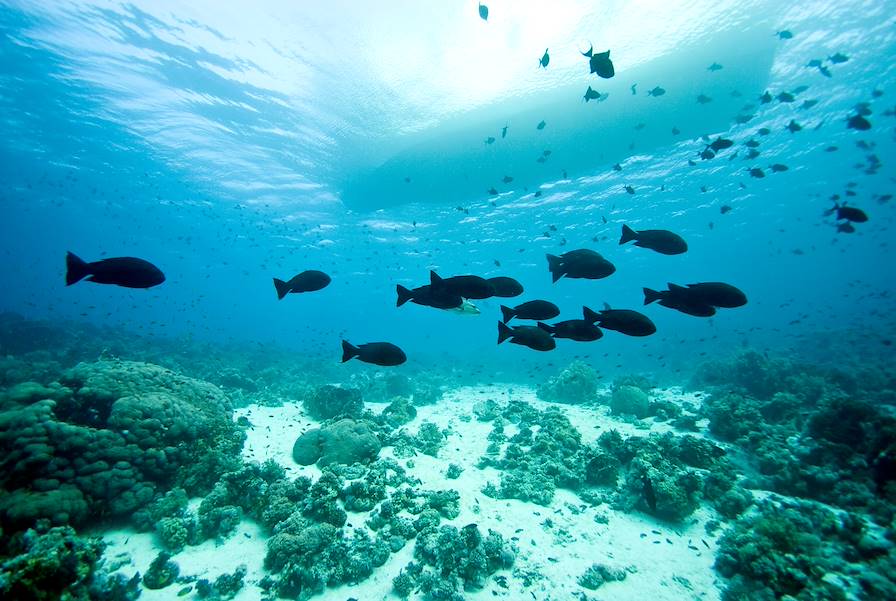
x,y
662,566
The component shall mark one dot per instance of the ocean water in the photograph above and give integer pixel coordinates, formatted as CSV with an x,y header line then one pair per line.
x,y
229,144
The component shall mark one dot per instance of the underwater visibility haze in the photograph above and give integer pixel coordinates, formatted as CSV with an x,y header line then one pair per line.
x,y
448,300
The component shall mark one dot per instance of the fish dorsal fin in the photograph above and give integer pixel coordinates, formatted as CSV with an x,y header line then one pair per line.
x,y
675,287
434,278
607,307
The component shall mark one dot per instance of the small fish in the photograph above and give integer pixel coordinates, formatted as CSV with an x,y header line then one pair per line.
x,y
546,153
540,160
634,89
814,63
751,143
531,336
757,172
540,125
845,228
507,179
407,180
307,281
714,67
490,140
600,63
724,209
544,60
492,191
794,127
579,330
624,321
750,155
483,12
617,167
778,167
858,122
629,189
127,272
657,91
707,154
720,144
785,97
649,493
378,353
675,131
741,119
591,94
661,241
838,58
825,71
703,99
764,131
807,104
504,132
579,264
853,214
537,194
784,34
765,98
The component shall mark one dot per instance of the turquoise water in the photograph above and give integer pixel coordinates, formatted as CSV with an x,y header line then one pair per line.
x,y
232,144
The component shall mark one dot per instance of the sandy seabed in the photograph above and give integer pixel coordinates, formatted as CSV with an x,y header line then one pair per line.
x,y
556,544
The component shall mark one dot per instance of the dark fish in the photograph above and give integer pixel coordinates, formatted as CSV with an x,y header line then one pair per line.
x,y
540,125
784,34
794,127
675,131
751,143
757,172
845,228
600,63
807,104
466,286
679,302
858,122
504,132
634,89
765,98
848,213
505,287
724,209
703,99
629,189
786,97
825,71
649,493
591,94
707,154
483,11
544,60
716,294
714,67
533,337
814,63
661,241
617,167
750,155
778,167
657,91
720,144
492,191
307,281
579,264
579,330
425,296
625,321
507,179
128,272
536,309
838,58
379,353
763,131
489,140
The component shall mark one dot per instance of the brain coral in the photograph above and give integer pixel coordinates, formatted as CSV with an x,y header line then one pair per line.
x,y
121,432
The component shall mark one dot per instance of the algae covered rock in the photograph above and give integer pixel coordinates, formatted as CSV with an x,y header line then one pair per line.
x,y
630,400
346,441
575,385
327,402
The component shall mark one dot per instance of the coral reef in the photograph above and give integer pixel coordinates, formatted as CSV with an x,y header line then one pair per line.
x,y
597,574
575,385
328,402
345,441
627,399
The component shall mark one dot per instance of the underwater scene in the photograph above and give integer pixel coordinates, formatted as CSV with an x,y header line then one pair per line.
x,y
446,300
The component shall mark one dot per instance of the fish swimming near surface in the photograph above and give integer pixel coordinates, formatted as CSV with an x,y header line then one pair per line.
x,y
794,127
661,241
483,12
657,91
591,94
490,140
536,309
703,99
779,167
858,122
307,281
384,354
507,179
544,60
540,125
505,287
838,58
600,63
784,34
579,264
425,296
579,330
624,321
128,272
714,67
531,336
720,144
757,172
504,132
466,286
848,213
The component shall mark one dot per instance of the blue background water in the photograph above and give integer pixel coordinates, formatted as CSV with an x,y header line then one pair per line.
x,y
230,145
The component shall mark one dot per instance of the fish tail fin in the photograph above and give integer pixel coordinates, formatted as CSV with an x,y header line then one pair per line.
x,y
404,295
590,52
832,210
628,234
349,350
504,332
282,288
546,327
590,315
651,296
555,266
506,313
76,268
